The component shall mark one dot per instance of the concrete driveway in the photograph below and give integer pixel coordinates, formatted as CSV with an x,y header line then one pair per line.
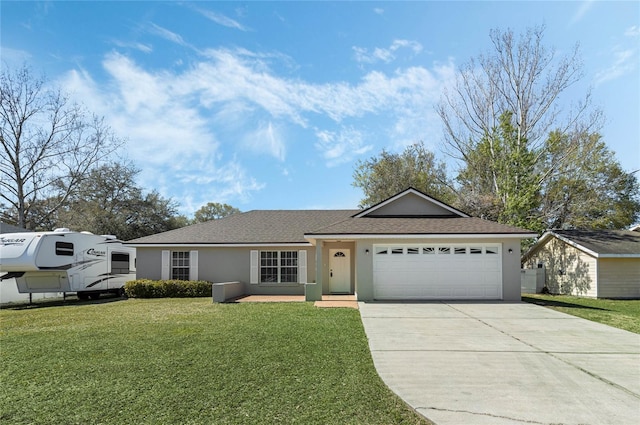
x,y
504,363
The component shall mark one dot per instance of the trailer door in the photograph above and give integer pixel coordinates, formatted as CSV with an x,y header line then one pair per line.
x,y
119,268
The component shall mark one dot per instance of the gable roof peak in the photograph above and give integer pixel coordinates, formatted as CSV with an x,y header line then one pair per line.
x,y
430,206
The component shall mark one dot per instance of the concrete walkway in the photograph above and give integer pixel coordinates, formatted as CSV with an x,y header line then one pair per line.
x,y
504,363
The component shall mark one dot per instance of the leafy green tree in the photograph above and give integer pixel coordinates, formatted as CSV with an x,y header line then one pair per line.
x,y
499,181
381,177
583,185
526,160
213,211
110,202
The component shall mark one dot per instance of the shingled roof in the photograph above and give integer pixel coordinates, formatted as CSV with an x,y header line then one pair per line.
x,y
252,227
418,226
603,242
292,226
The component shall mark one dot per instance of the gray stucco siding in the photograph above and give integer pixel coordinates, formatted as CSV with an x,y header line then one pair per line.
x,y
410,204
149,263
226,264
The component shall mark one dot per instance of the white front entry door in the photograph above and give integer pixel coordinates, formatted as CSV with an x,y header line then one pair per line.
x,y
339,271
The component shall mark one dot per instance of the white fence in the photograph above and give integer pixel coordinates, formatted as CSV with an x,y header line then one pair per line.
x,y
531,280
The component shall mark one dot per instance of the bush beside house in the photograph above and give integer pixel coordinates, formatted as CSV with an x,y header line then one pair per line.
x,y
146,288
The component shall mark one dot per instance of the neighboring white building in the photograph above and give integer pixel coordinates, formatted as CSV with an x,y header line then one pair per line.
x,y
591,263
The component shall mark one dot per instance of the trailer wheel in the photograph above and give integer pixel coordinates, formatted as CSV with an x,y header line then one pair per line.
x,y
83,296
94,296
122,293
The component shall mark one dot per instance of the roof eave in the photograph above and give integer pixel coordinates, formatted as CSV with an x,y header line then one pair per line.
x,y
215,245
315,236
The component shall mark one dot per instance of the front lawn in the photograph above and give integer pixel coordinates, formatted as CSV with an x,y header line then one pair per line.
x,y
623,314
188,361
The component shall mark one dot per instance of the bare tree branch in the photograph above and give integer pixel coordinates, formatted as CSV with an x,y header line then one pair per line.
x,y
49,145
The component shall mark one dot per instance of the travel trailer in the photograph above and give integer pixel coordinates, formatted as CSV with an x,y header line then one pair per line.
x,y
66,261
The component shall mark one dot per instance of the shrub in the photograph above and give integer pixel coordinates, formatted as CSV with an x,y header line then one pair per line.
x,y
146,288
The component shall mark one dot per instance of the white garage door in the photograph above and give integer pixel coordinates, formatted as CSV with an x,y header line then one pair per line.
x,y
455,271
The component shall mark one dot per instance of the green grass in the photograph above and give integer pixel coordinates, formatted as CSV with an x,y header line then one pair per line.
x,y
623,314
188,361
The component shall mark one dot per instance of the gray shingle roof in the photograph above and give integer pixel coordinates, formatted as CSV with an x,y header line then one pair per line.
x,y
605,242
409,225
258,226
290,226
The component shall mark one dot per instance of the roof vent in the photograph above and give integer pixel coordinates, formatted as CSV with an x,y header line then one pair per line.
x,y
61,230
109,237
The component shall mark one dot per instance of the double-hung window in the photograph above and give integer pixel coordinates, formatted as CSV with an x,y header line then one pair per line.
x,y
180,265
278,266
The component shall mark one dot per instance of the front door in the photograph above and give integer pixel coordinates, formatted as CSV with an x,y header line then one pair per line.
x,y
339,271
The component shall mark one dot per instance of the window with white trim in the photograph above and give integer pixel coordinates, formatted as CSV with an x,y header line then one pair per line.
x,y
278,266
180,265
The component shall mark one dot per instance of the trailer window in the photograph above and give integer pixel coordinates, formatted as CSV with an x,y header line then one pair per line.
x,y
119,263
64,248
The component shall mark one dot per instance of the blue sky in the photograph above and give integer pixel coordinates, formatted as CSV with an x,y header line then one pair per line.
x,y
269,105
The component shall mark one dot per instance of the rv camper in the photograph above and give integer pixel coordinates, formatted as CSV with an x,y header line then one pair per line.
x,y
66,261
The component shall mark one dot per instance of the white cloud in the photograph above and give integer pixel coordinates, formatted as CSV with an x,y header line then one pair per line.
x,y
145,48
167,35
221,19
585,6
625,62
183,125
267,138
378,11
341,146
387,55
625,58
167,135
14,57
633,31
